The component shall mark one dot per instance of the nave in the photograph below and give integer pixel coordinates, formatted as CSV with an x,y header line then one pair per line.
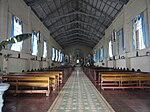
x,y
109,39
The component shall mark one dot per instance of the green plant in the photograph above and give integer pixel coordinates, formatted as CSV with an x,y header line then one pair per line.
x,y
15,39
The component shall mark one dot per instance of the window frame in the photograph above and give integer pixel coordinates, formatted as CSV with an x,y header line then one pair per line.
x,y
138,25
44,41
110,47
18,44
34,44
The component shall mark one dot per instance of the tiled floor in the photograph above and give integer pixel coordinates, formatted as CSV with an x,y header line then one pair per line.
x,y
80,95
120,100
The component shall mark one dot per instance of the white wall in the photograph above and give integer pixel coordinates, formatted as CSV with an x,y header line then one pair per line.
x,y
124,19
111,63
103,43
30,22
142,63
121,63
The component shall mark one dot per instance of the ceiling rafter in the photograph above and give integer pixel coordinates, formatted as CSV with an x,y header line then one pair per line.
x,y
118,1
104,13
94,12
57,8
79,39
80,13
106,10
76,34
111,5
77,42
85,30
76,21
73,22
76,12
64,12
44,10
50,14
97,37
76,31
84,7
36,2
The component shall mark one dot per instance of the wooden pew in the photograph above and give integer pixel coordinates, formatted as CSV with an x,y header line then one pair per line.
x,y
54,79
55,76
118,80
32,82
93,72
51,75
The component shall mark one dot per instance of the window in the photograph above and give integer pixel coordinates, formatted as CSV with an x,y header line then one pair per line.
x,y
102,53
138,32
78,61
99,54
59,56
120,41
63,57
53,54
94,57
35,36
56,55
16,29
110,47
44,49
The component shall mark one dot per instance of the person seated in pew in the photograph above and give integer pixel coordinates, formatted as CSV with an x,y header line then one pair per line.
x,y
133,70
138,70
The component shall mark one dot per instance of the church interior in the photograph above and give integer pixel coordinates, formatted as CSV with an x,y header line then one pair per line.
x,y
74,55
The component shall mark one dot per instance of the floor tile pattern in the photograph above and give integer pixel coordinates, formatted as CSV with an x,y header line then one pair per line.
x,y
80,95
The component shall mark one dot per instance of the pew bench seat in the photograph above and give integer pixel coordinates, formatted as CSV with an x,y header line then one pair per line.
x,y
30,84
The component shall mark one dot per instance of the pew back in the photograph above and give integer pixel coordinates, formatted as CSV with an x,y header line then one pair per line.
x,y
124,80
30,81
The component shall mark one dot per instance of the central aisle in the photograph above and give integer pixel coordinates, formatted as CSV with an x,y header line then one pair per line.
x,y
80,95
